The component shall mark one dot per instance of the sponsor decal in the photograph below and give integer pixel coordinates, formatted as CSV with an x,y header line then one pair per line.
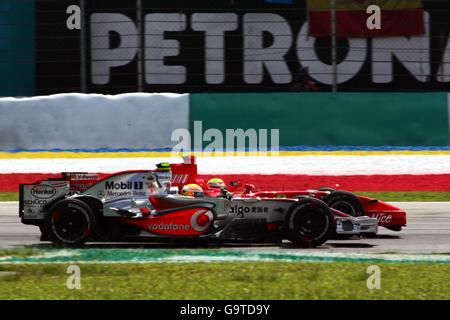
x,y
179,178
201,220
39,202
80,186
163,175
129,185
383,218
168,227
82,176
241,210
58,184
125,193
43,191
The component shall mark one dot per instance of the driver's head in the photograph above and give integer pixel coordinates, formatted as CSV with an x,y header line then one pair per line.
x,y
216,183
192,190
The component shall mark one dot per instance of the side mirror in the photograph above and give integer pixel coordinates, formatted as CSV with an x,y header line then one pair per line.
x,y
234,183
248,188
233,186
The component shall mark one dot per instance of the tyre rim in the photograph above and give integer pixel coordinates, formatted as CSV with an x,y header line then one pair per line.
x,y
345,207
70,226
311,224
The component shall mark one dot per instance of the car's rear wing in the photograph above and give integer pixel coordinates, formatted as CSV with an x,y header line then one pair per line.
x,y
80,181
35,198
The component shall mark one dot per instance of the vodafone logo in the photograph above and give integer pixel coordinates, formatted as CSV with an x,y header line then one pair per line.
x,y
168,227
201,220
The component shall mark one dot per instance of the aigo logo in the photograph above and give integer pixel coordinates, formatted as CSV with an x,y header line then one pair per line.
x,y
43,191
201,220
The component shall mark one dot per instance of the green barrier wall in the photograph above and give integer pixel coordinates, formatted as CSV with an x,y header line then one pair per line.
x,y
17,47
339,119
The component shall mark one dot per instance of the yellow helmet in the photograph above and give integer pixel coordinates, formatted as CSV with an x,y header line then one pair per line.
x,y
216,183
192,190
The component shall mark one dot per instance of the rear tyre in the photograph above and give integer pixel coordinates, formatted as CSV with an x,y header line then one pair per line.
x,y
309,223
70,222
345,202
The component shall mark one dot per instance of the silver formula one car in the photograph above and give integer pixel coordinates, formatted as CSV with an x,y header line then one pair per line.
x,y
132,204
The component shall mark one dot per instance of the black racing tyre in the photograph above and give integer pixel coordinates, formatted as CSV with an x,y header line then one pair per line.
x,y
46,235
326,189
345,202
309,223
300,197
394,228
371,235
70,222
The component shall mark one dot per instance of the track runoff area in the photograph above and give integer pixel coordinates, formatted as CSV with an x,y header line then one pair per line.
x,y
413,262
388,173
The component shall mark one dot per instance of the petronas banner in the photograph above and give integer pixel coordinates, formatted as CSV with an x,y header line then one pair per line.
x,y
237,46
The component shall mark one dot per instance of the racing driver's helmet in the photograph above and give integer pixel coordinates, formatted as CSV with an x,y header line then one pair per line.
x,y
192,190
216,183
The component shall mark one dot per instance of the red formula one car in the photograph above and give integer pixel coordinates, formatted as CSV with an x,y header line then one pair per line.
x,y
387,215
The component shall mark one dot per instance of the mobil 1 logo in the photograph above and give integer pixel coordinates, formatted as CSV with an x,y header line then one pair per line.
x,y
116,189
129,185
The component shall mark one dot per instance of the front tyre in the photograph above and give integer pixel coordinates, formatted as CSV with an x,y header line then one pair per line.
x,y
329,189
70,222
345,202
309,223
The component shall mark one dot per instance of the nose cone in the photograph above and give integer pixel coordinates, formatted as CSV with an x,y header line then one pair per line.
x,y
386,213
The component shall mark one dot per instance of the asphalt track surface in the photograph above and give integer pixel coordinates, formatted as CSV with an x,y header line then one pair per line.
x,y
428,231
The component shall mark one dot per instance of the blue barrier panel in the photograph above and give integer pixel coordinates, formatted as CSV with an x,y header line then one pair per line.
x,y
17,49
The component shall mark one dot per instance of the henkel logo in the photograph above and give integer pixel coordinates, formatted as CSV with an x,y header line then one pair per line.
x,y
383,218
43,191
129,185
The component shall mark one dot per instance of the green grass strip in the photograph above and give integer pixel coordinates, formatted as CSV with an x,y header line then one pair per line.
x,y
9,196
218,280
107,255
408,196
